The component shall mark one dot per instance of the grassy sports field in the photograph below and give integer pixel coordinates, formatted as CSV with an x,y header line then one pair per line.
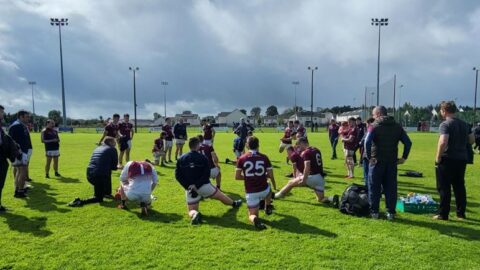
x,y
41,232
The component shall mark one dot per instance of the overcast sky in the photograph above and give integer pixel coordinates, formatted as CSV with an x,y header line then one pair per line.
x,y
222,55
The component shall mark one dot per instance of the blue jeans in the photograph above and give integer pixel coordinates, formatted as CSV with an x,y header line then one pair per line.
x,y
382,174
365,171
333,143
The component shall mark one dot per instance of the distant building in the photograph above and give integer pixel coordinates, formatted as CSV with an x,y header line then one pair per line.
x,y
270,121
356,113
318,117
189,118
228,118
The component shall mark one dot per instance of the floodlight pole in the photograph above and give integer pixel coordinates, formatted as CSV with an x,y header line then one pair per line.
x,y
61,22
379,22
475,98
295,84
311,99
32,83
394,93
164,83
134,69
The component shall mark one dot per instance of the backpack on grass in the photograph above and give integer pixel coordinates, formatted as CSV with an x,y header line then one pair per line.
x,y
354,201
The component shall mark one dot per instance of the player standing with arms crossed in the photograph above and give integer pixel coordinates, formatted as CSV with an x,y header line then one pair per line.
x,y
208,132
180,133
52,146
167,128
255,169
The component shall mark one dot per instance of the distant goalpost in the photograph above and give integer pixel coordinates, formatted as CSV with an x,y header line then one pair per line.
x,y
389,95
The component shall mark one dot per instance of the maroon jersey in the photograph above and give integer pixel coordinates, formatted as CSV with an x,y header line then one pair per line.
x,y
208,132
353,143
254,166
168,131
125,129
159,144
313,155
111,130
287,136
138,168
297,160
207,151
301,132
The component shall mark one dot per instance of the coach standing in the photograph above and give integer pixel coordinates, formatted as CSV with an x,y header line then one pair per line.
x,y
20,134
180,134
451,161
333,136
382,151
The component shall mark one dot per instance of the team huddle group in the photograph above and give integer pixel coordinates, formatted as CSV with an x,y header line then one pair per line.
x,y
377,140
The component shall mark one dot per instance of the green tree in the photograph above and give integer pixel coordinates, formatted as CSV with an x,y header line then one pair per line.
x,y
56,116
272,111
255,111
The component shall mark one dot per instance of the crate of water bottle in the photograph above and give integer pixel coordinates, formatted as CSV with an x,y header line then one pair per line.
x,y
417,203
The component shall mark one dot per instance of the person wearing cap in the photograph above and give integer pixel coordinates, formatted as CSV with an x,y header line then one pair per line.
x,y
137,182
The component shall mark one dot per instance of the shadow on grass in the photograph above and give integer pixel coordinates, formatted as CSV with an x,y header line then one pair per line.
x,y
228,220
155,216
22,224
446,228
67,180
293,225
42,200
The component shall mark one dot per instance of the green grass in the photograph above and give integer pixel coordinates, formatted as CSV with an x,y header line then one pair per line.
x,y
41,232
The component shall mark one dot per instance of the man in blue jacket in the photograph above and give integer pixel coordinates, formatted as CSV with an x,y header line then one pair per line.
x,y
104,160
21,135
193,174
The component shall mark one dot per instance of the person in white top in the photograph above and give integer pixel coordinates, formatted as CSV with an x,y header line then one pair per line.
x,y
137,182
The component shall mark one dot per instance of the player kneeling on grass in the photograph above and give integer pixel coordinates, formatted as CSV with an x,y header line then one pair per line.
x,y
159,150
209,153
254,169
312,175
137,182
193,173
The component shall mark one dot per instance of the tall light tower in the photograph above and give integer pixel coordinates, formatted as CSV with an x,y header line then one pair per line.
x,y
379,22
134,69
311,97
164,83
475,98
295,84
61,22
32,83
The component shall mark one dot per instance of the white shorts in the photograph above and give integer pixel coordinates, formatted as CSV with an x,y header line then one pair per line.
x,y
284,145
207,142
139,197
129,143
238,153
179,141
23,161
214,172
168,144
253,199
205,191
55,153
157,155
348,153
316,182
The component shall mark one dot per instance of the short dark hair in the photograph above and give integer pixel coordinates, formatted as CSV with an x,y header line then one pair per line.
x,y
200,137
352,119
253,143
22,113
250,132
302,140
381,110
448,106
193,142
370,120
126,115
290,148
290,122
116,115
2,108
163,133
296,122
109,140
359,118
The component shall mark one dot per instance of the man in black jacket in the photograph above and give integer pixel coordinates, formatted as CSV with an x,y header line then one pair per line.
x,y
3,160
104,160
193,173
180,133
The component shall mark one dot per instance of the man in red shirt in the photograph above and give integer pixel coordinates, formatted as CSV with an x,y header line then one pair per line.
x,y
209,153
286,140
312,175
159,150
350,144
208,132
111,129
125,131
255,169
297,161
167,128
300,130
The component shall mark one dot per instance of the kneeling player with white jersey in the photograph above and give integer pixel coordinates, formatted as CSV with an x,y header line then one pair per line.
x,y
312,172
137,182
255,169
